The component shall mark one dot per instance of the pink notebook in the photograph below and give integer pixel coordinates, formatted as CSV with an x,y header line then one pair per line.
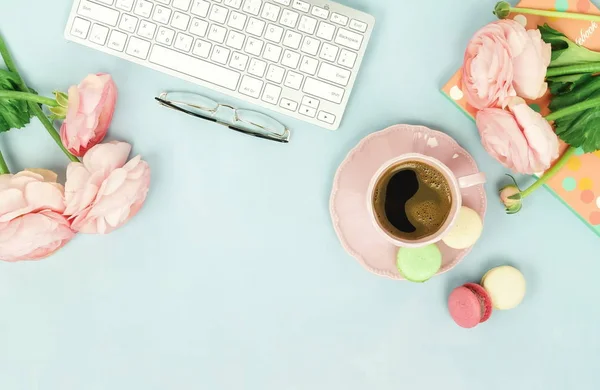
x,y
577,185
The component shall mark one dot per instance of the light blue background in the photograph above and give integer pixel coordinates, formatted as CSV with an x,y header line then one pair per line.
x,y
232,277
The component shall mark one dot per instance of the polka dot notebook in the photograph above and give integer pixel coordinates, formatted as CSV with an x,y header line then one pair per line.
x,y
577,185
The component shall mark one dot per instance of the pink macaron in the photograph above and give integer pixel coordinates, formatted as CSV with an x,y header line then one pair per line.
x,y
470,305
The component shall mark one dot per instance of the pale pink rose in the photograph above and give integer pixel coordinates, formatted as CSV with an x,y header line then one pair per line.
x,y
105,191
31,222
90,110
521,139
504,60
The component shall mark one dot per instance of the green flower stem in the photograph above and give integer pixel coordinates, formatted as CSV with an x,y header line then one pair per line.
x,y
3,167
30,97
507,9
10,64
549,173
590,67
574,109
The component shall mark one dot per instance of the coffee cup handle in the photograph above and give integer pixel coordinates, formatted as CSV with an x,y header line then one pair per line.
x,y
472,180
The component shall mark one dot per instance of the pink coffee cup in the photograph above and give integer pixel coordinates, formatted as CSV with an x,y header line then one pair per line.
x,y
455,183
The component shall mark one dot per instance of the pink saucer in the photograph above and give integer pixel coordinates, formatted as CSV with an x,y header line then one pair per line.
x,y
347,204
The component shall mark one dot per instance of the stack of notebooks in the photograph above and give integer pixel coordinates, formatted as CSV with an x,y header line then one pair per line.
x,y
577,185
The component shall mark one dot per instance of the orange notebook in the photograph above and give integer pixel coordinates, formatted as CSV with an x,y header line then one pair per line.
x,y
577,185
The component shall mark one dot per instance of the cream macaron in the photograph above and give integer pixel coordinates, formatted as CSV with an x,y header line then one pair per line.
x,y
506,286
466,229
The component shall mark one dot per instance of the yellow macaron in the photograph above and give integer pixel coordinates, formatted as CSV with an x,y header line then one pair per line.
x,y
506,286
466,229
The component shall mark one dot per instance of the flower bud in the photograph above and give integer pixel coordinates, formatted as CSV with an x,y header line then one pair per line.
x,y
502,9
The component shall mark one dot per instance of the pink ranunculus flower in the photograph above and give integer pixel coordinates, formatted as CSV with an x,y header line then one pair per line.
x,y
504,60
521,139
105,191
31,222
90,110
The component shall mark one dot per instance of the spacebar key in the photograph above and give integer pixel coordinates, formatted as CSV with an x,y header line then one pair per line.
x,y
194,67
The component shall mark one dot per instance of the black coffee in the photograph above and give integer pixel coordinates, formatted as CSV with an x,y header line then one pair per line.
x,y
412,200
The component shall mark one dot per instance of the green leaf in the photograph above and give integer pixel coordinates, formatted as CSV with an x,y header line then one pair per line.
x,y
564,51
574,92
581,130
14,114
561,85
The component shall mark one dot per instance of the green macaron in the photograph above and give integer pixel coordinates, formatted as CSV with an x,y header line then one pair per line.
x,y
419,264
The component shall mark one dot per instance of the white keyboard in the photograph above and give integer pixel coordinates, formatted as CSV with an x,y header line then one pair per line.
x,y
299,58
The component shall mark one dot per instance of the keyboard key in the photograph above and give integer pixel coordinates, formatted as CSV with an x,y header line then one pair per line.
x,y
307,24
194,67
300,5
292,39
255,27
293,80
252,6
334,74
328,52
271,94
339,19
326,117
309,65
310,102
166,2
180,21
237,20
98,13
161,14
349,39
117,40
323,90
254,46
251,86
183,42
290,59
218,14
182,5
217,33
289,18
320,12
128,23
165,36
107,2
275,74
99,34
358,25
80,28
143,8
233,3
235,40
146,29
257,67
283,2
288,104
272,53
200,8
274,33
220,55
125,5
310,46
201,48
347,58
199,27
326,31
138,48
271,12
308,111
239,61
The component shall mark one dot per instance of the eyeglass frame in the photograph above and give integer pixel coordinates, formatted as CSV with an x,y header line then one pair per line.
x,y
268,135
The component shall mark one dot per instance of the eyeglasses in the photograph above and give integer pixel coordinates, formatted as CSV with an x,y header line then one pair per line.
x,y
248,122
